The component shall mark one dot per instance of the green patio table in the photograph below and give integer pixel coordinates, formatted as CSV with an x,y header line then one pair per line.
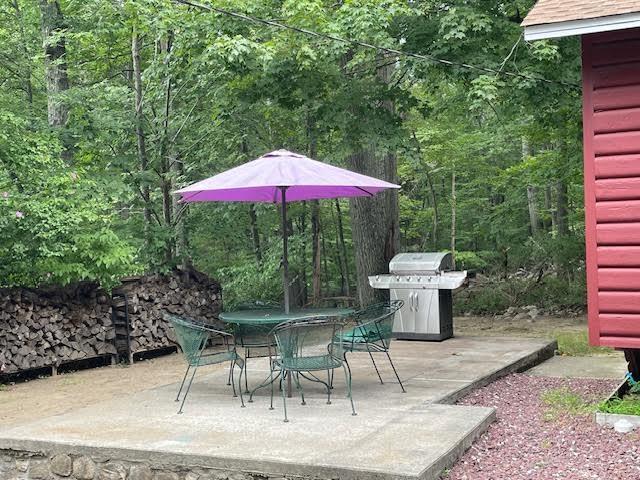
x,y
272,317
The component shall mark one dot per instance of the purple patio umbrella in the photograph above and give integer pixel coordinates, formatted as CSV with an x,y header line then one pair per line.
x,y
281,177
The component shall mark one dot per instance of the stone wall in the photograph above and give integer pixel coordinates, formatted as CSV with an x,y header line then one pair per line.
x,y
22,465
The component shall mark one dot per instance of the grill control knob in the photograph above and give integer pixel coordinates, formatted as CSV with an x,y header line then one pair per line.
x,y
397,278
419,278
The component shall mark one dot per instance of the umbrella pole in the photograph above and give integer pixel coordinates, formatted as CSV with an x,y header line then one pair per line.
x,y
285,259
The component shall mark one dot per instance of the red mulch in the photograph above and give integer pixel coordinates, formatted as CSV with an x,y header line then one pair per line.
x,y
521,444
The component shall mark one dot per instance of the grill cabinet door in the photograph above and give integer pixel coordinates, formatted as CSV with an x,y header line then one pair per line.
x,y
405,317
426,311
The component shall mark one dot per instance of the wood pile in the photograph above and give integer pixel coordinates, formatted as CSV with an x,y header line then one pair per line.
x,y
188,293
48,327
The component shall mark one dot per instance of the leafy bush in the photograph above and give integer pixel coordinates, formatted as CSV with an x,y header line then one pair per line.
x,y
246,280
56,222
496,295
470,261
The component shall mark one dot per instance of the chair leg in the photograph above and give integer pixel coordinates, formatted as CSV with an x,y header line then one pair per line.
x,y
284,393
233,383
182,384
299,387
246,373
347,374
394,371
329,386
375,366
242,366
271,380
188,388
229,382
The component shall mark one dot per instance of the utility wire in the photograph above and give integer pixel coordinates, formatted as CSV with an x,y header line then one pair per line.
x,y
311,33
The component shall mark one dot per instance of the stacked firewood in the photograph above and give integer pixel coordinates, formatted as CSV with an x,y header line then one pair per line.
x,y
48,327
187,293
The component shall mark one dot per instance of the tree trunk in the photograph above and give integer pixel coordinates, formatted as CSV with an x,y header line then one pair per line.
x,y
453,217
533,211
562,213
180,210
28,86
531,193
434,203
166,156
315,218
57,81
255,233
143,159
548,222
344,263
325,266
303,254
374,224
315,250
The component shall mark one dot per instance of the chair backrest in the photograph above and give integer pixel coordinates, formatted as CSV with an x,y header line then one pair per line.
x,y
309,338
190,335
376,322
253,335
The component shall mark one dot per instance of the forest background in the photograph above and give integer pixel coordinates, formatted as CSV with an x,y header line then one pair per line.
x,y
107,106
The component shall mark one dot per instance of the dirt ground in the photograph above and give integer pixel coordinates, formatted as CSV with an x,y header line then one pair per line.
x,y
540,327
47,396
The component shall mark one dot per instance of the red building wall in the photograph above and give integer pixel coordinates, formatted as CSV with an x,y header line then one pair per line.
x,y
611,122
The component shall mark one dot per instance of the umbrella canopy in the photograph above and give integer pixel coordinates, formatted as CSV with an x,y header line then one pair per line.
x,y
261,181
280,177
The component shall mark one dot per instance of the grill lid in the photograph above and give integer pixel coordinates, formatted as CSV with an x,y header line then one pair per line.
x,y
426,263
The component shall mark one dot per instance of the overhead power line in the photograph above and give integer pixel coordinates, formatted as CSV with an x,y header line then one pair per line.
x,y
378,48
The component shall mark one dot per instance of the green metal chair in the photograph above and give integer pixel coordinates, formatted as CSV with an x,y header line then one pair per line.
x,y
306,346
193,338
254,338
372,333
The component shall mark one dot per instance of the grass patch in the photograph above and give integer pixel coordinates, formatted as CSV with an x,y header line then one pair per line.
x,y
576,344
562,401
629,405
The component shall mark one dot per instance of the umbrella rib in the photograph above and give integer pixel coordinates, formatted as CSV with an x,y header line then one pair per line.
x,y
365,191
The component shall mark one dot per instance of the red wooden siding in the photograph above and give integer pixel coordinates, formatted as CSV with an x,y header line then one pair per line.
x,y
611,121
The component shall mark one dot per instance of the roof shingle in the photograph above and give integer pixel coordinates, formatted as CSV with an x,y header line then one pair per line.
x,y
555,11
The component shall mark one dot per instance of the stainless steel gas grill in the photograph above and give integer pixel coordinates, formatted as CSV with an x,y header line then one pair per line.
x,y
424,282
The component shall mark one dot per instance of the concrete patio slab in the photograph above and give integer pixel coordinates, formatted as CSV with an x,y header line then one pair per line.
x,y
603,366
394,436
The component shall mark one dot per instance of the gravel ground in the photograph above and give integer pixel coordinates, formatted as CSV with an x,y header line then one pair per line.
x,y
523,444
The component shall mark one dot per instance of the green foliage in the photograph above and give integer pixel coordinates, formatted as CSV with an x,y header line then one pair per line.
x,y
562,401
576,344
470,261
247,281
496,295
55,228
218,91
628,405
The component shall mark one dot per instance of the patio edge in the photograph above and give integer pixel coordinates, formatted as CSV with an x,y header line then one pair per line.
x,y
525,363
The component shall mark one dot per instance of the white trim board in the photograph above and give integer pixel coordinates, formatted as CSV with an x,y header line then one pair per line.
x,y
582,27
